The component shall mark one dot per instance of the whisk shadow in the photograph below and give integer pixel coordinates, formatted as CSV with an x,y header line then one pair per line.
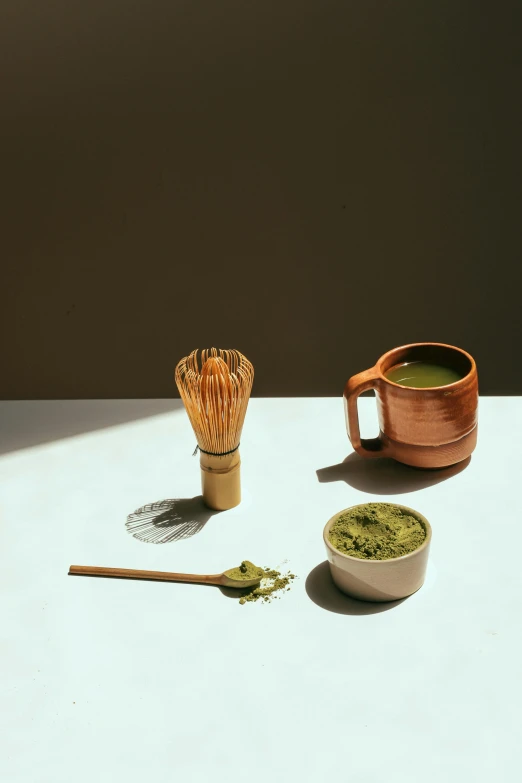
x,y
169,520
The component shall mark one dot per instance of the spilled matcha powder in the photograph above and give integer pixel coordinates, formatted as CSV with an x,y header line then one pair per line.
x,y
272,583
376,531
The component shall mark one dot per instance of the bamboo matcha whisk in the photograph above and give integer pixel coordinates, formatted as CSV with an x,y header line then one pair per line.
x,y
216,399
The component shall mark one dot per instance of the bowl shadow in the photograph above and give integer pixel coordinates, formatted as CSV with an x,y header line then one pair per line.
x,y
169,520
322,591
386,476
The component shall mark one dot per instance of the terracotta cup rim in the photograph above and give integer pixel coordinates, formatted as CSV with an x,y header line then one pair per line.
x,y
376,563
468,356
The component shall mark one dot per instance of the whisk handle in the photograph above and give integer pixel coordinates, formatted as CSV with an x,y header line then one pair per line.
x,y
221,480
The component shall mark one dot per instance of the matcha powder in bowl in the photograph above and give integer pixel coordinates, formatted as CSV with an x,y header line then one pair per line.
x,y
376,531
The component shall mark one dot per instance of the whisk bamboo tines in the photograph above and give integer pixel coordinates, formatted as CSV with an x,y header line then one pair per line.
x,y
215,396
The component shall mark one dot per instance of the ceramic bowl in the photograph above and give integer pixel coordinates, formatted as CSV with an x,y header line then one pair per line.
x,y
379,580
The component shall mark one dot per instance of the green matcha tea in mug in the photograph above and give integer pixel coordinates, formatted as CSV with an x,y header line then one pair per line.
x,y
422,375
427,405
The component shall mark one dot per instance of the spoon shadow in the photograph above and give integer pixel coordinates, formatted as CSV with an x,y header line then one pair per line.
x,y
386,476
236,592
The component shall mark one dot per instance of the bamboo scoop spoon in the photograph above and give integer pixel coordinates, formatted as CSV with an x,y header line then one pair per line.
x,y
220,580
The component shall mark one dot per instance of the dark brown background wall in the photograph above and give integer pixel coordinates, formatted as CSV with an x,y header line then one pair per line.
x,y
312,182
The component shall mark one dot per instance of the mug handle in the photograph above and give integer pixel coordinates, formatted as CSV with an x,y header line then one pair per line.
x,y
355,386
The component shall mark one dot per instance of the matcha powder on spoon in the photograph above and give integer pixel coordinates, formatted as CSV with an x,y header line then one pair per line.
x,y
272,583
246,570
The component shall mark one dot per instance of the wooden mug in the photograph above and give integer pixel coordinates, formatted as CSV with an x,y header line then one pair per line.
x,y
429,427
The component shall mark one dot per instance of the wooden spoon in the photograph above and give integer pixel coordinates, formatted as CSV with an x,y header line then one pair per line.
x,y
221,580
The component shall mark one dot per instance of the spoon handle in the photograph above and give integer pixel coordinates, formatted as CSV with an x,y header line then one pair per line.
x,y
160,576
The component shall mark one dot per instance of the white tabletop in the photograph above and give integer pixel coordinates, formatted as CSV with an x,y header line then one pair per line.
x,y
115,680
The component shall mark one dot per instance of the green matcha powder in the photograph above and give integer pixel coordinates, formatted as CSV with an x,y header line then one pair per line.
x,y
376,531
272,583
245,571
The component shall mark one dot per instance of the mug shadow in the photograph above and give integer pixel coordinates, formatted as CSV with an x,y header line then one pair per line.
x,y
322,591
169,520
386,476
